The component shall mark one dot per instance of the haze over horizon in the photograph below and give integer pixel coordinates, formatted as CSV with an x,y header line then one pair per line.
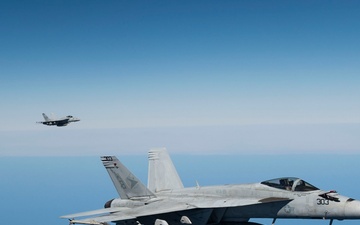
x,y
227,76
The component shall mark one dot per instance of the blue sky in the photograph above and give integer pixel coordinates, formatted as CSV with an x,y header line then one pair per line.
x,y
247,82
287,71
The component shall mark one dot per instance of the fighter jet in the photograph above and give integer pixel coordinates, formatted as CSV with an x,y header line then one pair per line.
x,y
166,202
58,122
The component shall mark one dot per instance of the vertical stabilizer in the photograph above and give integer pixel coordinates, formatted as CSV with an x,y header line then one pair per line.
x,y
162,173
46,117
126,184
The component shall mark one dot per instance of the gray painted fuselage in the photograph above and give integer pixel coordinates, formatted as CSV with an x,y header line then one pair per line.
x,y
303,204
300,205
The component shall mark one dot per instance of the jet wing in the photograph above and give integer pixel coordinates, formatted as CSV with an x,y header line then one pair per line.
x,y
94,212
155,208
165,206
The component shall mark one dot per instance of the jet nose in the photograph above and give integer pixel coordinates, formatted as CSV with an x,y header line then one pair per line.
x,y
352,209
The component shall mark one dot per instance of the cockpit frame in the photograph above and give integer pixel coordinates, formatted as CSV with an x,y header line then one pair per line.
x,y
290,184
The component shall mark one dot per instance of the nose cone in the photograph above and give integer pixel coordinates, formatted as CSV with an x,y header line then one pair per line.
x,y
352,209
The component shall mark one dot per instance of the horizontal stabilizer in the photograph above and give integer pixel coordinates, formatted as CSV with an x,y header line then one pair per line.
x,y
94,212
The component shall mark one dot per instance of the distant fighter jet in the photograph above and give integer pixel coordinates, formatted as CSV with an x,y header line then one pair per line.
x,y
166,202
60,122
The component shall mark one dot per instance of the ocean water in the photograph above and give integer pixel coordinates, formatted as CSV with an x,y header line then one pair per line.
x,y
37,190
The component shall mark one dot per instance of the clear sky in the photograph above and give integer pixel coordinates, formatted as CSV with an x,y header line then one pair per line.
x,y
249,85
283,74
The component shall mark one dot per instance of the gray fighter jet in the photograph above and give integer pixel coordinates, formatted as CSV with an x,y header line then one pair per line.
x,y
58,122
167,202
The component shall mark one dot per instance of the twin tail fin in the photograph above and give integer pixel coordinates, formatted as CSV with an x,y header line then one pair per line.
x,y
46,117
162,174
127,185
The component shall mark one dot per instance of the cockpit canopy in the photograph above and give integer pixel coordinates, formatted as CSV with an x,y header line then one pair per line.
x,y
290,184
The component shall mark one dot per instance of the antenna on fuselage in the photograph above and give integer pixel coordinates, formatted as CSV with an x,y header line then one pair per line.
x,y
197,184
